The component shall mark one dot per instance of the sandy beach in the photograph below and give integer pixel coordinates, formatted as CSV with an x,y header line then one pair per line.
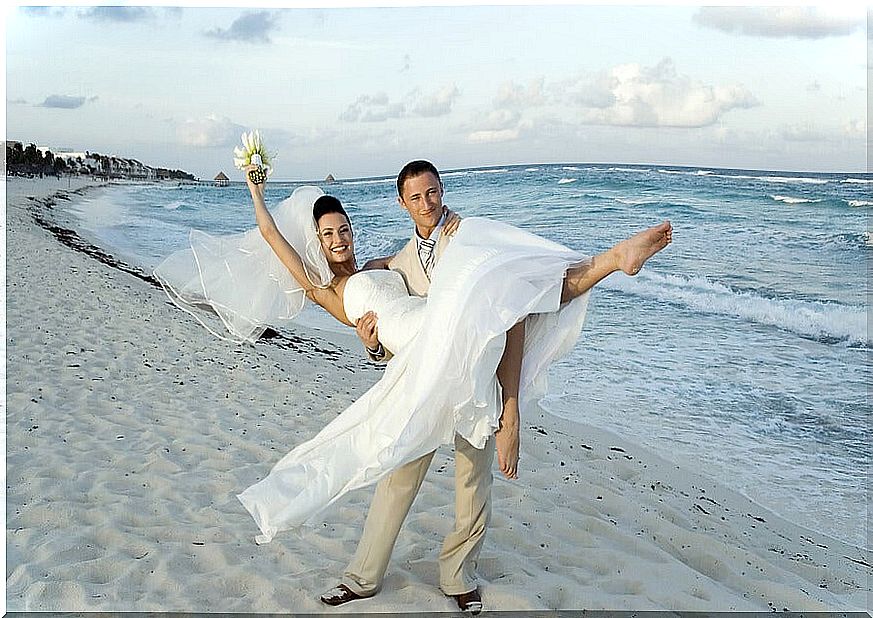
x,y
130,430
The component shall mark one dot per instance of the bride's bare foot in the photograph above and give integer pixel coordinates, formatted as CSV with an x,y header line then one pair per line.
x,y
506,440
632,253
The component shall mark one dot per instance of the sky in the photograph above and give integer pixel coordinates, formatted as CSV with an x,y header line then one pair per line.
x,y
359,91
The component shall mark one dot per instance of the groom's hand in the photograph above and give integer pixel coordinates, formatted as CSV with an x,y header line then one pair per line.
x,y
453,220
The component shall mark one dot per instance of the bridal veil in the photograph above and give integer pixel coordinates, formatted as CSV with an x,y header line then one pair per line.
x,y
239,277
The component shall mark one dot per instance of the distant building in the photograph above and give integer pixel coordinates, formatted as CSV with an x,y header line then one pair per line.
x,y
106,166
330,178
84,162
221,180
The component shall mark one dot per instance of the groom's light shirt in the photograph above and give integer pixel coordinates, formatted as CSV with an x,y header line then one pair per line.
x,y
427,246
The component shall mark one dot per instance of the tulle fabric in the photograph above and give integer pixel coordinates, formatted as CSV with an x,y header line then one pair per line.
x,y
239,276
443,381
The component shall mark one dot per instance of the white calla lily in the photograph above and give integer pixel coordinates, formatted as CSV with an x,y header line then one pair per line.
x,y
252,144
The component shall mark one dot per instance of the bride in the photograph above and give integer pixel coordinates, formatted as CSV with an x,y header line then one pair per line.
x,y
490,277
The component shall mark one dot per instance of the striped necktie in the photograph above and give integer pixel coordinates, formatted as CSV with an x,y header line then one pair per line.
x,y
425,254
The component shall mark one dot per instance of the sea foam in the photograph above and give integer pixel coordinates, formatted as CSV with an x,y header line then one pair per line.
x,y
631,201
779,179
829,322
793,200
377,181
686,173
629,169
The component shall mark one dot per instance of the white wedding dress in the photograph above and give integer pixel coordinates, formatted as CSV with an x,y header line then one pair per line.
x,y
442,378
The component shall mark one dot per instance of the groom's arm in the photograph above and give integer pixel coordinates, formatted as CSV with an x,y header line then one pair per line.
x,y
378,263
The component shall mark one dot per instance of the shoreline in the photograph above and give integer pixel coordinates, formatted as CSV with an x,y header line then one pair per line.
x,y
42,209
155,506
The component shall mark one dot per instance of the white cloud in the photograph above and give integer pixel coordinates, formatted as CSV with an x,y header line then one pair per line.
x,y
499,125
250,27
438,103
490,137
375,108
802,133
596,92
379,108
633,95
806,22
119,14
504,123
833,134
500,119
627,95
855,129
209,132
43,11
513,95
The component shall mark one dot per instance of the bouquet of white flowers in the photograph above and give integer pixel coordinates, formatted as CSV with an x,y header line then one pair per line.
x,y
253,152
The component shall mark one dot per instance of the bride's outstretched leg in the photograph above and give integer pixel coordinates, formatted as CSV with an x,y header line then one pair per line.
x,y
627,256
509,375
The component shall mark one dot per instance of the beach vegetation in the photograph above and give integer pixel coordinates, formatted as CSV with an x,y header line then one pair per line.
x,y
32,156
17,152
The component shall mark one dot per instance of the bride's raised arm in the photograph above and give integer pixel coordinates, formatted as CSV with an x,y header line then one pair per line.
x,y
327,297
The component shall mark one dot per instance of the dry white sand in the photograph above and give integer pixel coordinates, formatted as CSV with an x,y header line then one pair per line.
x,y
130,429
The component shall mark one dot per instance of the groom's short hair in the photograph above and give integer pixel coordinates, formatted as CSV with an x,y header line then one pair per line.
x,y
414,168
326,204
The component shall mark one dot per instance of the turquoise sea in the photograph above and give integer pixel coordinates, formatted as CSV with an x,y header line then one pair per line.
x,y
742,351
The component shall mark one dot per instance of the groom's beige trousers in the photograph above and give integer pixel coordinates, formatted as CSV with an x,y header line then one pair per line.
x,y
391,502
396,492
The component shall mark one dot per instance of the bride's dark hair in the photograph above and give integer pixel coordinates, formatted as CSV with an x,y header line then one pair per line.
x,y
326,204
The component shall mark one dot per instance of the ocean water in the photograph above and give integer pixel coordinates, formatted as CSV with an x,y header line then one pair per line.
x,y
741,351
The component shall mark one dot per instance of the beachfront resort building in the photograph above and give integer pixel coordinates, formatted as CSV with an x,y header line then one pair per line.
x,y
110,166
45,159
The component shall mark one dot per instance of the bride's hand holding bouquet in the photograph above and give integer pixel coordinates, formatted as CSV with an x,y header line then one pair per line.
x,y
256,188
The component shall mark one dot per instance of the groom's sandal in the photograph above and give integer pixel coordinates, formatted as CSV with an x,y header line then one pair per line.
x,y
341,594
469,601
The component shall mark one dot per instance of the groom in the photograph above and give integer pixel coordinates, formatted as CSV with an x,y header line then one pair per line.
x,y
420,192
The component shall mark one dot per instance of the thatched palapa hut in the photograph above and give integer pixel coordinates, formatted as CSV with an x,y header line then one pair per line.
x,y
221,180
